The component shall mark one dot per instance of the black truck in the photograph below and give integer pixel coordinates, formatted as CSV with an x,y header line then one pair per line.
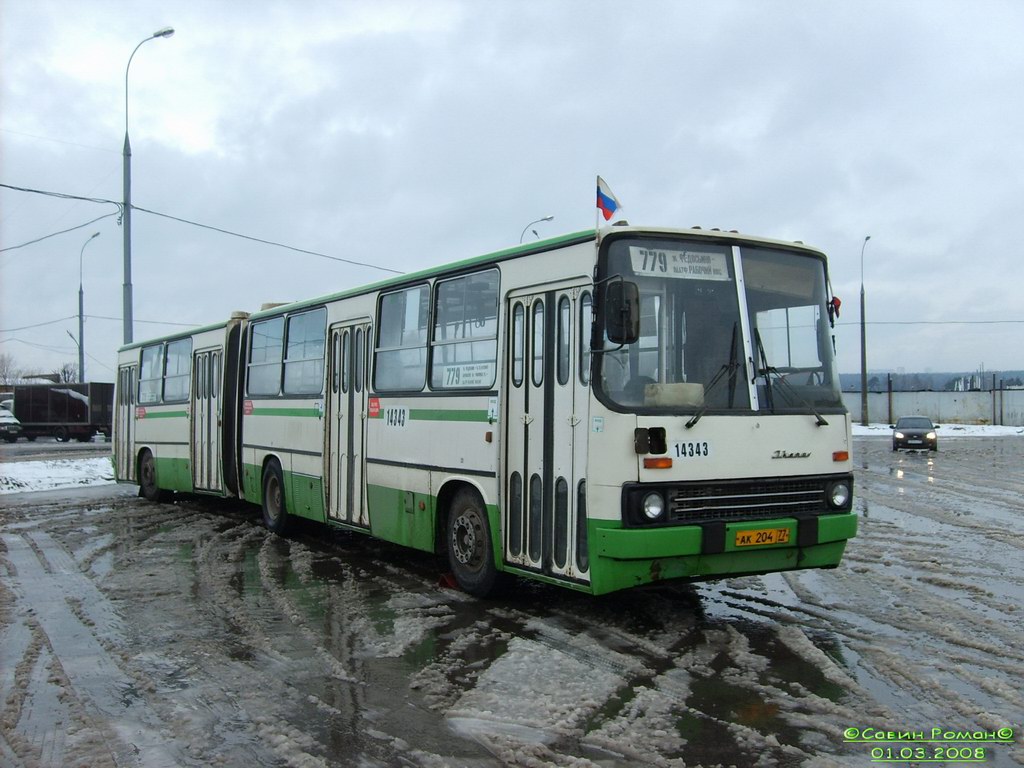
x,y
65,411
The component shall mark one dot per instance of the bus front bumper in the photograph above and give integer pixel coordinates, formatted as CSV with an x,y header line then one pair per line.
x,y
632,557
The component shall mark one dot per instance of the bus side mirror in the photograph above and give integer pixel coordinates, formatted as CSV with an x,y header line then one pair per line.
x,y
622,312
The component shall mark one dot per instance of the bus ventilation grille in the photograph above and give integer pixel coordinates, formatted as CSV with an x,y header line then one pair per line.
x,y
752,500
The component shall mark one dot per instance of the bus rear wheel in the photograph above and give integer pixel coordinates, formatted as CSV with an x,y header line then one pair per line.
x,y
275,510
147,478
468,536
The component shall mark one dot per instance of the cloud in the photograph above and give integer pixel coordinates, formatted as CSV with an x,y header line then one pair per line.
x,y
410,134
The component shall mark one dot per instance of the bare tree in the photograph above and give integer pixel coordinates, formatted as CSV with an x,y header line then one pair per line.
x,y
9,372
66,374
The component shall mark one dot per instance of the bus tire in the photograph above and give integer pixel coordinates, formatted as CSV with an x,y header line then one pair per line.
x,y
275,510
468,539
147,478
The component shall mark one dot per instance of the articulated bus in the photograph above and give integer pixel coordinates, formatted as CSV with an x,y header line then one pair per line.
x,y
601,411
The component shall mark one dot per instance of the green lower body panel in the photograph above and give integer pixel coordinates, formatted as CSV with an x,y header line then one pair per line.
x,y
403,517
303,494
624,558
173,474
252,483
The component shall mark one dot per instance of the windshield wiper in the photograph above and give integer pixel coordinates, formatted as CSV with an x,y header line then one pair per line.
x,y
768,371
729,368
769,396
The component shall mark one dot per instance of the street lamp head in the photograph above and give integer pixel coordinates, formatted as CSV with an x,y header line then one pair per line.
x,y
866,238
94,234
535,221
165,32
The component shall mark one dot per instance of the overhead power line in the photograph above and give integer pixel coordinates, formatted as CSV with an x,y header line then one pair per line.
x,y
60,141
149,322
267,242
180,220
38,325
96,317
55,234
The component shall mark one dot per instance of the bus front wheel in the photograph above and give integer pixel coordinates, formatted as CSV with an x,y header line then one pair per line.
x,y
275,512
470,554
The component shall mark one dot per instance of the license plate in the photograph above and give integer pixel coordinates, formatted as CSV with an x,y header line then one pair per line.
x,y
915,442
762,537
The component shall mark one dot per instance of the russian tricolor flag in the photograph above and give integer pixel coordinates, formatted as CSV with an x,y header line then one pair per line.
x,y
606,201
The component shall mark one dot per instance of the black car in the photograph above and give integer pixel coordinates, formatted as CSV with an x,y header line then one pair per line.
x,y
914,432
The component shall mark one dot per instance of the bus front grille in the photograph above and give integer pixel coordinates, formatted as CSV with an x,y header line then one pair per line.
x,y
746,500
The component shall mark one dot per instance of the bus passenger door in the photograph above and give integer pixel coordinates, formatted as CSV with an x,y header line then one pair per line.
x,y
124,447
345,419
206,448
546,433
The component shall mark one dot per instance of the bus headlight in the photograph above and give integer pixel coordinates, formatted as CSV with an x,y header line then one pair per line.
x,y
839,495
653,506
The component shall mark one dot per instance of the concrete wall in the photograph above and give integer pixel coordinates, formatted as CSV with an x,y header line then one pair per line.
x,y
1003,407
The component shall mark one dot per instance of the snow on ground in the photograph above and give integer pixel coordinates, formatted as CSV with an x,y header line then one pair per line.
x,y
51,474
22,476
945,430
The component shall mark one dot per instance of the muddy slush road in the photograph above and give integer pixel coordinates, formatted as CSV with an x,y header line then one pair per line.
x,y
138,634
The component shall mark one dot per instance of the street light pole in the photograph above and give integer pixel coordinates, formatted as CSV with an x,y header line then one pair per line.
x,y
863,344
538,221
81,312
126,215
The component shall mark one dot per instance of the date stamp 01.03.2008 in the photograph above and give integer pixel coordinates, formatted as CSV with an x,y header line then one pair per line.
x,y
931,745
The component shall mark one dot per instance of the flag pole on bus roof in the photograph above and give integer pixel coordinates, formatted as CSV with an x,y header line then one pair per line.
x,y
607,203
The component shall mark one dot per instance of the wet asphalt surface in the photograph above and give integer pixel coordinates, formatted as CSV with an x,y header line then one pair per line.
x,y
184,634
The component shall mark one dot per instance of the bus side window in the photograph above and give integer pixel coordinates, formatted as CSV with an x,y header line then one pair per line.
x,y
400,359
151,374
178,371
586,321
564,339
346,367
518,343
464,346
265,352
538,343
304,359
335,361
357,374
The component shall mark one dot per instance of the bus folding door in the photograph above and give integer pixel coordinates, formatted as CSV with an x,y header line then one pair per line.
x,y
544,520
345,433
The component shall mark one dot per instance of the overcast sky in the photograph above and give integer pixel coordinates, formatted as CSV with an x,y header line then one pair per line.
x,y
411,134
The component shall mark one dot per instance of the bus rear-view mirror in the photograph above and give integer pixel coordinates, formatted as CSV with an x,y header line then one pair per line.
x,y
622,312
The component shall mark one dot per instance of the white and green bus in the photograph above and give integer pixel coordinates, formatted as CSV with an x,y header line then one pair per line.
x,y
600,411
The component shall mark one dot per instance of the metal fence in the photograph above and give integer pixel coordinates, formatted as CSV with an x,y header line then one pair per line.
x,y
999,406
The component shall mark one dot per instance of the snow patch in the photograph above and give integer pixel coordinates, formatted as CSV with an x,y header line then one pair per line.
x,y
23,476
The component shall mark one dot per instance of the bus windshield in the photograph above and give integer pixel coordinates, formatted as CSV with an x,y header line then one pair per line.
x,y
704,342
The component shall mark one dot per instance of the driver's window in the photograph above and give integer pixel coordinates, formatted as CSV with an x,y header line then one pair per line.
x,y
789,337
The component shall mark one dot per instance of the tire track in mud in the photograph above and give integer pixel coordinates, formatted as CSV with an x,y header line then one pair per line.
x,y
318,643
83,670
